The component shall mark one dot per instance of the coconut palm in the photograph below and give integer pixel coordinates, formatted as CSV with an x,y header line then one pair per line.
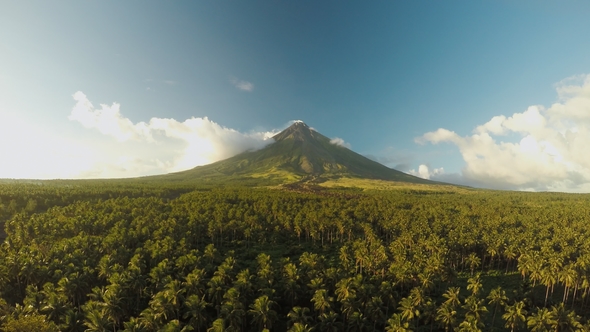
x,y
321,301
470,324
452,297
196,311
397,324
329,322
515,315
298,327
497,298
299,315
261,312
564,320
540,321
446,316
474,307
474,284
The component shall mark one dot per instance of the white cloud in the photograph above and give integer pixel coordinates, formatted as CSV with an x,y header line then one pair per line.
x,y
113,146
161,145
108,119
425,172
340,142
242,85
31,151
550,153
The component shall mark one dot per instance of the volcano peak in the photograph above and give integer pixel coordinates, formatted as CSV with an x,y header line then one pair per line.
x,y
298,131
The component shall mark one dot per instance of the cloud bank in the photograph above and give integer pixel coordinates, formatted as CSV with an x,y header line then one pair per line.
x,y
101,142
193,142
538,149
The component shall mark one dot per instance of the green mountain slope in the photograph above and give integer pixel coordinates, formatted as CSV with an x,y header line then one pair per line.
x,y
297,153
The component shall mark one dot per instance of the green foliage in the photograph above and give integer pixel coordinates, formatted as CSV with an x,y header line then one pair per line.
x,y
32,323
148,256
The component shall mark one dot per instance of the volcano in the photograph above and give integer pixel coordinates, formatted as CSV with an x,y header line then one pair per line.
x,y
297,153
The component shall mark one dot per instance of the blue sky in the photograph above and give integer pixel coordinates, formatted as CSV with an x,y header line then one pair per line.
x,y
410,83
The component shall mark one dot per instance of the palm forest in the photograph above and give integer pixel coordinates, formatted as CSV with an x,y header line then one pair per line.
x,y
150,256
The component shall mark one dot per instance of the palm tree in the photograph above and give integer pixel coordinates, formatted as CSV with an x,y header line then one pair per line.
x,y
174,326
446,316
408,309
148,320
261,312
474,307
298,327
55,305
134,325
96,319
173,294
473,262
387,291
216,291
194,282
344,290
474,284
374,308
321,301
540,321
568,277
515,315
548,279
357,321
232,310
452,296
299,315
564,320
290,279
536,271
217,326
397,324
196,311
329,322
73,321
470,324
161,308
497,298
315,284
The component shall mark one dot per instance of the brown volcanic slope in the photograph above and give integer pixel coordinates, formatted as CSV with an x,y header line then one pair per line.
x,y
297,153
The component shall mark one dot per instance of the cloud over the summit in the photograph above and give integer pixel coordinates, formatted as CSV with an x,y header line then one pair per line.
x,y
550,152
165,144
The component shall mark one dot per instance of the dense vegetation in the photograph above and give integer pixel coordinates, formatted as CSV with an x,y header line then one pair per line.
x,y
93,256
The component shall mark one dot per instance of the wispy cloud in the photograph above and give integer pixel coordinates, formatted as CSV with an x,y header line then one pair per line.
x,y
340,142
242,85
551,152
